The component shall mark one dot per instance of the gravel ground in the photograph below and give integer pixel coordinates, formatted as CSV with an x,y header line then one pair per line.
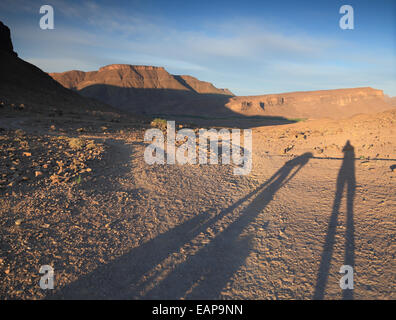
x,y
113,227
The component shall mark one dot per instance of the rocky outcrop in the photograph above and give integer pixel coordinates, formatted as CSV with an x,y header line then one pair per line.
x,y
24,83
5,40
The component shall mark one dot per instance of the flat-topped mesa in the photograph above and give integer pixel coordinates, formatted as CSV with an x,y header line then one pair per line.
x,y
137,77
312,104
313,96
144,89
121,76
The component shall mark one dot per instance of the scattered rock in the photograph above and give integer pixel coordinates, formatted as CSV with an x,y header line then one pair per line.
x,y
54,178
38,173
288,148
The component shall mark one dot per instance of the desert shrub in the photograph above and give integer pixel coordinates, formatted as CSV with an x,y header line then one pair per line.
x,y
76,143
159,123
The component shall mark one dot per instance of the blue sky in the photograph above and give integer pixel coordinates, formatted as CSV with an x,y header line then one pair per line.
x,y
250,47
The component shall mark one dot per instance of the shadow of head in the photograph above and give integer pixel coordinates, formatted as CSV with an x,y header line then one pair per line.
x,y
300,160
348,147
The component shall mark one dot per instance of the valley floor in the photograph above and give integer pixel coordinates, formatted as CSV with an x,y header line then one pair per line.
x,y
128,230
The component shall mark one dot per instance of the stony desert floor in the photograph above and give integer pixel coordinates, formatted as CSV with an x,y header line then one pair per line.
x,y
76,194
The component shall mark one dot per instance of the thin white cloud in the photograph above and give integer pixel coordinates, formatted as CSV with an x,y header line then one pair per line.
x,y
243,54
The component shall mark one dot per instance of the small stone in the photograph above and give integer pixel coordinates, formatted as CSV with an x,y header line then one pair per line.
x,y
54,178
27,154
18,222
282,234
38,173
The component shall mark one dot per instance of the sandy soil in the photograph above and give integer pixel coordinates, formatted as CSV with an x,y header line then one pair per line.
x,y
127,230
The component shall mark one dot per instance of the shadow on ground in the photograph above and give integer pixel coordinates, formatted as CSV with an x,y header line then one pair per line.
x,y
199,276
185,106
346,177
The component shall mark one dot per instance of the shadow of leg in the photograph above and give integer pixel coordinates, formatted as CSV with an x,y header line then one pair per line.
x,y
349,258
204,274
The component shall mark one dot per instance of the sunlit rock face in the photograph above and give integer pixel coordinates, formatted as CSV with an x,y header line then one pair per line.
x,y
337,103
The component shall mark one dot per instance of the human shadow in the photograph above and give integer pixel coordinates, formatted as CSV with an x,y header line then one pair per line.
x,y
204,274
346,177
126,277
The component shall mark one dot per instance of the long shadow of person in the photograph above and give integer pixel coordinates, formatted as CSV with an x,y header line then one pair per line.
x,y
204,274
346,176
122,278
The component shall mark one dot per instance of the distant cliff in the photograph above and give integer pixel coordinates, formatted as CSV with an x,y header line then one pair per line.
x,y
337,103
152,90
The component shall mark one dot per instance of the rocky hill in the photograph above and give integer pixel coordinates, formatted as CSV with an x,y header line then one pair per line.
x,y
23,84
5,40
144,89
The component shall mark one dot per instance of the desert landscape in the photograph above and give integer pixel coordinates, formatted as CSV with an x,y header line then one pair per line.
x,y
76,193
